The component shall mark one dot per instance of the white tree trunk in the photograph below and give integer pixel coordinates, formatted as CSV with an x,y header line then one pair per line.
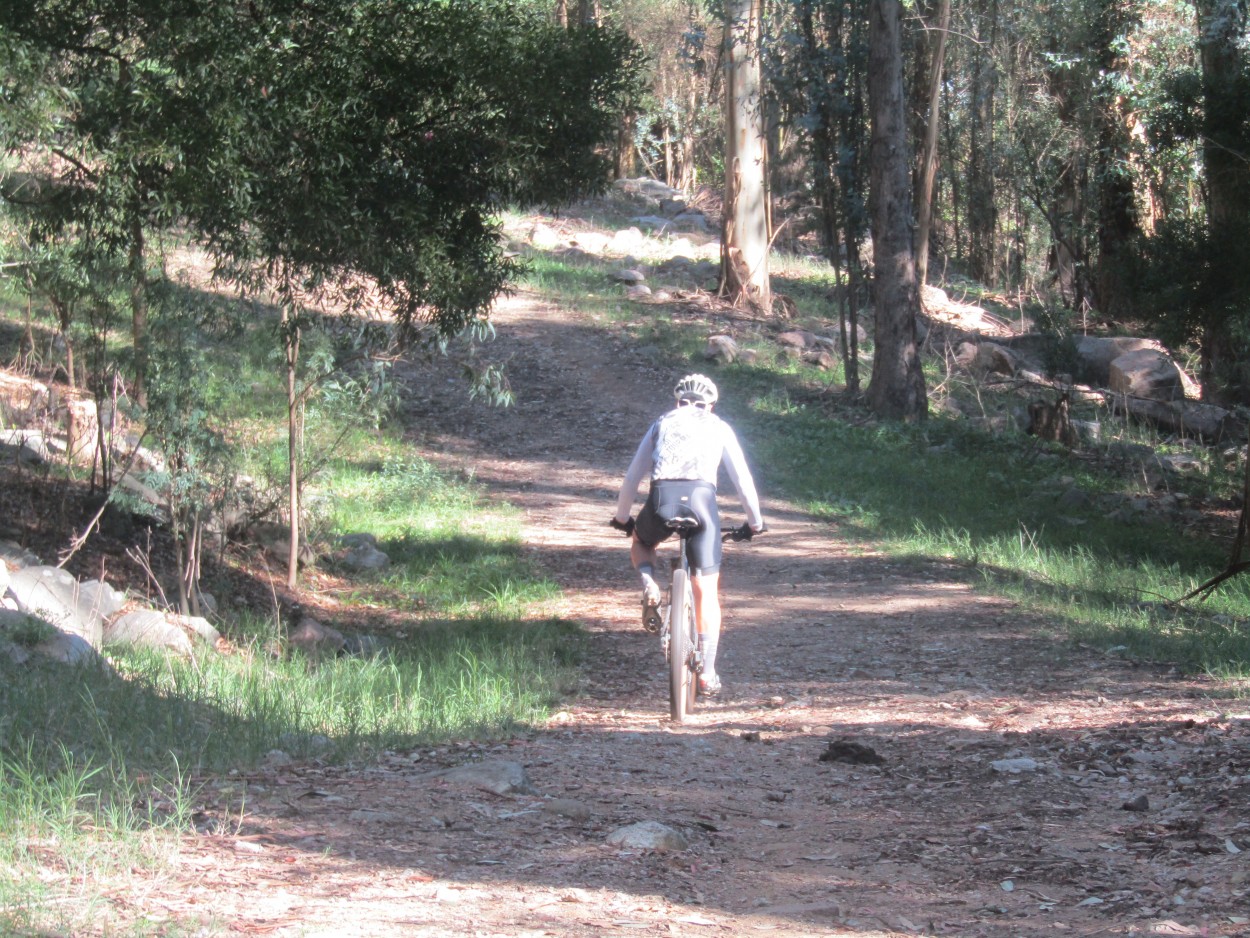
x,y
745,238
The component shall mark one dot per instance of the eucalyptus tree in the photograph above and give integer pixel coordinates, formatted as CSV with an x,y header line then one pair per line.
x,y
746,238
897,388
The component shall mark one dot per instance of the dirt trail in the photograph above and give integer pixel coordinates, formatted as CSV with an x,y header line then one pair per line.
x,y
932,682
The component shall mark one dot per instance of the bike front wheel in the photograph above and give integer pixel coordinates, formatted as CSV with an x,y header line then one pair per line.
x,y
683,638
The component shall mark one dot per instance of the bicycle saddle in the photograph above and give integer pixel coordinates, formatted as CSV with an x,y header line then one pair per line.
x,y
683,525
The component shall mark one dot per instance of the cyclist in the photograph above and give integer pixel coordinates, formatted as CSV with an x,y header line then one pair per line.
x,y
682,453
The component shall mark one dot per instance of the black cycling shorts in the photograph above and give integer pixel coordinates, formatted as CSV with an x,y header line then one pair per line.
x,y
670,499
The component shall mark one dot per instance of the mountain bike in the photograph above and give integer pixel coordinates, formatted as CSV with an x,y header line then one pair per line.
x,y
679,632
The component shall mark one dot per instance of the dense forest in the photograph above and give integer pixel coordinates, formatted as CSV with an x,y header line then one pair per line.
x,y
1089,157
1088,160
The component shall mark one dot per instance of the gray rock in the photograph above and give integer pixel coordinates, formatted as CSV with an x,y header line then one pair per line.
x,y
628,275
364,557
1147,373
315,639
148,628
692,221
1096,353
103,598
796,338
499,777
626,240
358,538
648,835
53,594
29,446
721,348
1181,462
638,291
567,807
1073,498
654,222
196,626
1015,766
16,557
68,649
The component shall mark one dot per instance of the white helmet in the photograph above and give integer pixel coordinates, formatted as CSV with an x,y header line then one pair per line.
x,y
695,389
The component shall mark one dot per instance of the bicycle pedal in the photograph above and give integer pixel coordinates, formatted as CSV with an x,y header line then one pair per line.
x,y
651,619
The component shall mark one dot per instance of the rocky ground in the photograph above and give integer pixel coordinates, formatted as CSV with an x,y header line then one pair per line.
x,y
896,754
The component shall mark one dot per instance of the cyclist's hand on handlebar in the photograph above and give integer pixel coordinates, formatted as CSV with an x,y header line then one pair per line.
x,y
744,533
626,526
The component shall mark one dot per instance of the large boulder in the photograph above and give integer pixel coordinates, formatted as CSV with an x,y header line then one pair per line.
x,y
148,628
1146,373
55,596
1096,353
722,349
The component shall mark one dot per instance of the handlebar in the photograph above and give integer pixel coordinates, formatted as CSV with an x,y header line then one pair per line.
x,y
743,533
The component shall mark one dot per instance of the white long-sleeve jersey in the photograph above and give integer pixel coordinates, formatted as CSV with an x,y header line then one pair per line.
x,y
690,443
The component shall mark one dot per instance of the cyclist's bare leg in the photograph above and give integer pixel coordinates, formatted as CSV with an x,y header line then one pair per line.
x,y
641,555
707,614
643,558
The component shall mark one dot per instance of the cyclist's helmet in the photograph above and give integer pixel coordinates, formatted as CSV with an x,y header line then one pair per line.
x,y
695,389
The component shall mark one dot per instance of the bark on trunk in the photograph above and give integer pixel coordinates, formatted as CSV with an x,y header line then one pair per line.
x,y
928,162
1221,33
745,241
139,309
897,387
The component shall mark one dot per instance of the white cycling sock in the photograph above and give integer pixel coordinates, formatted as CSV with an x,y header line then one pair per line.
x,y
648,575
708,647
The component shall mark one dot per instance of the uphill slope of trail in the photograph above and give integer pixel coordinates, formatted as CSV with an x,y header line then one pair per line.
x,y
895,754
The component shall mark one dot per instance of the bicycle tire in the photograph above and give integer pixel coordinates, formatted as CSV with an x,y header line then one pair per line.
x,y
680,677
692,674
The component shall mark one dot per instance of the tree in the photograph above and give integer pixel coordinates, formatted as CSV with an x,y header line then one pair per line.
x,y
745,240
819,79
322,150
928,161
897,388
1223,35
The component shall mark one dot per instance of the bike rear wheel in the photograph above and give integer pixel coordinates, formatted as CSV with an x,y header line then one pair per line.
x,y
682,643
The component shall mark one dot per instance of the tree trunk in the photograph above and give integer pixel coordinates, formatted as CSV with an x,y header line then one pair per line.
x,y
139,308
981,194
1222,28
294,403
1118,223
896,389
928,162
745,241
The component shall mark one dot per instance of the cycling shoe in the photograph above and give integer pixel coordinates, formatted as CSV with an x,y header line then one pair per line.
x,y
651,618
709,687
